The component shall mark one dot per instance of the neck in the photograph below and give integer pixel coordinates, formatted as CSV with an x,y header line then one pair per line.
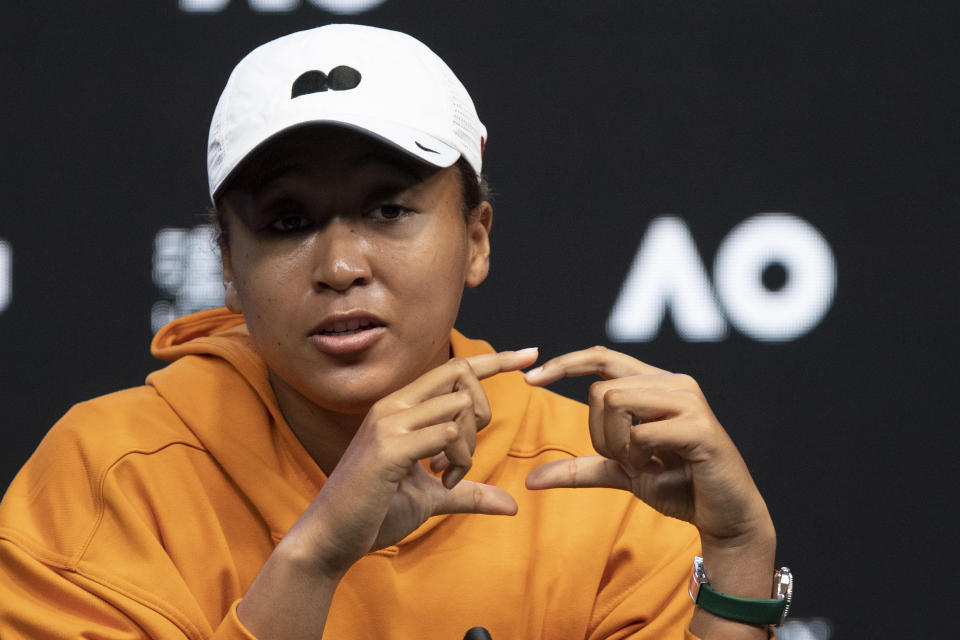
x,y
323,433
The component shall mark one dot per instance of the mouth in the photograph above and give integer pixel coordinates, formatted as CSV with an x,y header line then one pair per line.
x,y
347,327
346,333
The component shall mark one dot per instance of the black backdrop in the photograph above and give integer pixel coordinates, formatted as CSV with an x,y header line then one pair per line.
x,y
602,116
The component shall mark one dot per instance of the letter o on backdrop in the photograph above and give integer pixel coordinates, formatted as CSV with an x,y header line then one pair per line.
x,y
811,276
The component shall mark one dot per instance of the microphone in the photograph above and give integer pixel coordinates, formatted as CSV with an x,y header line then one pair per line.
x,y
477,633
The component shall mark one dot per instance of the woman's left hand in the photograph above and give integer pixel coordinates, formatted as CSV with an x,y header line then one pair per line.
x,y
658,439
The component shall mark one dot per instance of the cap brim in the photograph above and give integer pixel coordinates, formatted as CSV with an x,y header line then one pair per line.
x,y
412,142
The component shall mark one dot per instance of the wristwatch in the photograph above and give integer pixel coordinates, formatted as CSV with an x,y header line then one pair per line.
x,y
750,610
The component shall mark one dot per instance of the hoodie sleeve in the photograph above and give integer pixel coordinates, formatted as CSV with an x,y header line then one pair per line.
x,y
109,531
42,602
231,628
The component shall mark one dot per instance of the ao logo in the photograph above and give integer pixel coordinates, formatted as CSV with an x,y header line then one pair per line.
x,y
668,273
6,274
342,7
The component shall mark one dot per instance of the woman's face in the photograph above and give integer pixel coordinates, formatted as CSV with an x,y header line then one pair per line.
x,y
349,264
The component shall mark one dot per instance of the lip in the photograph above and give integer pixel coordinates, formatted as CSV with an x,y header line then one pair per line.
x,y
347,333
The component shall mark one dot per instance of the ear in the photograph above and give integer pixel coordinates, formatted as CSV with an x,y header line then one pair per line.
x,y
478,237
230,295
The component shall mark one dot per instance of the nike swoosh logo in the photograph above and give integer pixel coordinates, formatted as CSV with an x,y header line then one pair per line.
x,y
425,148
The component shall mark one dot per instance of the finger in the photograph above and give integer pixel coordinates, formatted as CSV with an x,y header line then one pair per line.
x,y
475,497
427,441
619,403
616,421
456,407
481,406
459,373
466,373
598,360
597,417
460,450
576,473
490,364
449,406
439,462
456,375
683,436
642,423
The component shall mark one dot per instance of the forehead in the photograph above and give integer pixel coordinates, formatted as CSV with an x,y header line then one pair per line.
x,y
341,153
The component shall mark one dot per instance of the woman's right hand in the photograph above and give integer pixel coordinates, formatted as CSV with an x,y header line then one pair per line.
x,y
379,492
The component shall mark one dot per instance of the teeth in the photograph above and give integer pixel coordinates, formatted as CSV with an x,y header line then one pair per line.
x,y
343,327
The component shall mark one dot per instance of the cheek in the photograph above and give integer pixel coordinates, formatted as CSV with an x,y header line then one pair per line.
x,y
433,269
266,283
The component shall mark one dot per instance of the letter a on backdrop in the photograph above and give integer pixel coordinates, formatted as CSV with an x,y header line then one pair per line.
x,y
666,273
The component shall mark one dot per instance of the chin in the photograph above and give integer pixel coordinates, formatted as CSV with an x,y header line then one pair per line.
x,y
352,388
357,408
354,396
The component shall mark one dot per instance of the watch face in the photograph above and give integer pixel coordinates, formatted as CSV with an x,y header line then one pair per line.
x,y
783,589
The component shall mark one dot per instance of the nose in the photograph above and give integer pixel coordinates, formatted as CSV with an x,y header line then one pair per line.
x,y
342,254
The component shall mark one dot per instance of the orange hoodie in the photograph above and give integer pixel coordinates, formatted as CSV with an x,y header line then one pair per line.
x,y
148,512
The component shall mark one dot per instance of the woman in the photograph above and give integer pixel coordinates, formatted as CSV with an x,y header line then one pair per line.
x,y
271,482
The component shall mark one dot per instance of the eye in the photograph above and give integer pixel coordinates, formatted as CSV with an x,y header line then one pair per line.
x,y
290,222
389,212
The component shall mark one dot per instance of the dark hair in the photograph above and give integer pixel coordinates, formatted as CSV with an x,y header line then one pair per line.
x,y
474,190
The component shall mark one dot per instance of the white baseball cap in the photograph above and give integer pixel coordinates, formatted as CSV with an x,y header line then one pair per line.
x,y
380,82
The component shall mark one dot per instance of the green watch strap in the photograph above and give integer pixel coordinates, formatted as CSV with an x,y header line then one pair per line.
x,y
751,610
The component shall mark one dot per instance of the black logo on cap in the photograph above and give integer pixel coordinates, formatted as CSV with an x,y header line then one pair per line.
x,y
339,79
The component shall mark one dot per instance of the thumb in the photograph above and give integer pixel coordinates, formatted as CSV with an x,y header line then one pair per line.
x,y
475,497
575,473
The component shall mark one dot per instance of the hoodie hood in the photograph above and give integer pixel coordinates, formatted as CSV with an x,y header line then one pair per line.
x,y
218,384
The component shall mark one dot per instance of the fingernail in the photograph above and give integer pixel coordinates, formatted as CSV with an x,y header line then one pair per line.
x,y
528,351
533,373
453,478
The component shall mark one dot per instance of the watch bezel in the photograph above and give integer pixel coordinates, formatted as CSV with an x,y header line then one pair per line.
x,y
697,577
783,589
